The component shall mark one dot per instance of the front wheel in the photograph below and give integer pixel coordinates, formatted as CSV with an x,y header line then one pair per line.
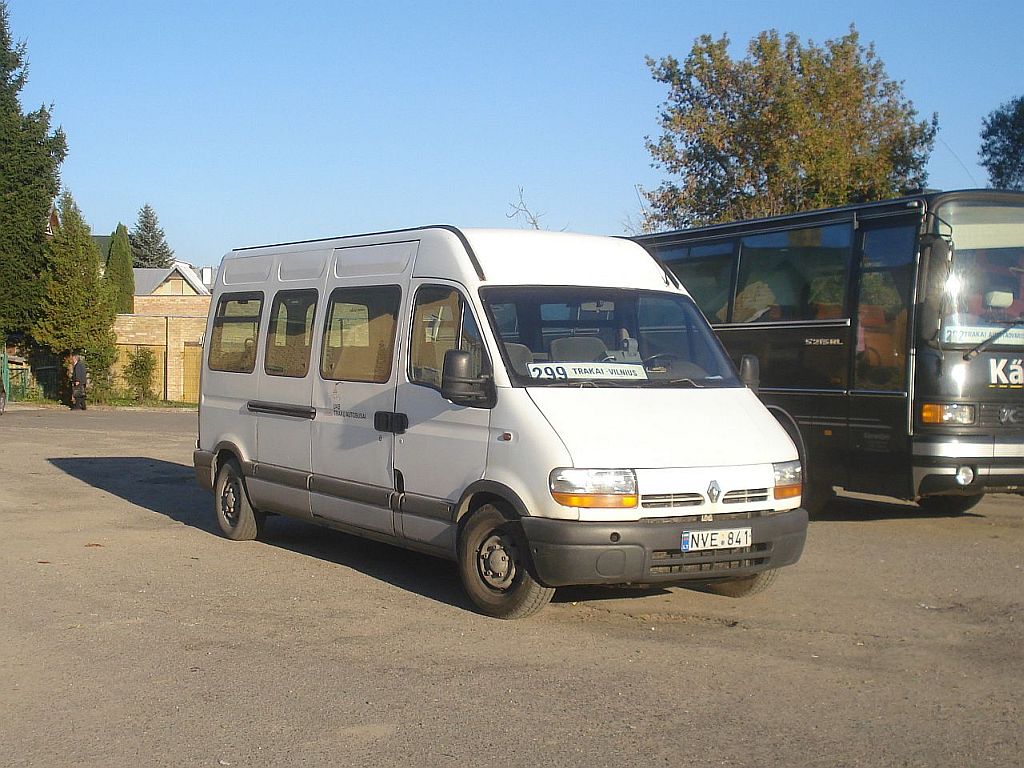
x,y
949,505
492,566
235,515
745,587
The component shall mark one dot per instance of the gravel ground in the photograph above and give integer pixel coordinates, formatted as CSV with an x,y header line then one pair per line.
x,y
133,634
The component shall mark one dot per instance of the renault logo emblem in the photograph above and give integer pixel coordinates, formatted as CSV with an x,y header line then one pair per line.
x,y
714,491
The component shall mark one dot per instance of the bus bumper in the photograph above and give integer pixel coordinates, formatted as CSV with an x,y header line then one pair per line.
x,y
567,552
997,465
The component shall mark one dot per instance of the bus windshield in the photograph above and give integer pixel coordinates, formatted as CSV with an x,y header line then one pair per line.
x,y
605,337
984,292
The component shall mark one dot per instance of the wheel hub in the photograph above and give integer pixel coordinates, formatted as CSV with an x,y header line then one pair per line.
x,y
496,561
229,503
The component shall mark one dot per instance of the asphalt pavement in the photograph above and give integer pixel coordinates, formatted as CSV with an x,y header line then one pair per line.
x,y
134,634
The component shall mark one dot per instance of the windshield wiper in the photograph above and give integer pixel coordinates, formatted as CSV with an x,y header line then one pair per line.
x,y
973,352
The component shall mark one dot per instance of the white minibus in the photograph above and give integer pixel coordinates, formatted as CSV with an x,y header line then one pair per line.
x,y
545,409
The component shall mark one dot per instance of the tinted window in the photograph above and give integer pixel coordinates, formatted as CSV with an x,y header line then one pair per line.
x,y
235,328
798,274
706,273
886,270
290,334
359,334
441,321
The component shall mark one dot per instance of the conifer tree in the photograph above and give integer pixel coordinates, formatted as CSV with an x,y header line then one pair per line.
x,y
77,312
149,246
30,158
119,276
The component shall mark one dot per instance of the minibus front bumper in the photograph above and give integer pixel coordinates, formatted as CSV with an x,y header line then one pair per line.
x,y
566,552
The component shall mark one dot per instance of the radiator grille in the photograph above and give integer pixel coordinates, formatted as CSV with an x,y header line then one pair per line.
x,y
666,500
990,415
745,496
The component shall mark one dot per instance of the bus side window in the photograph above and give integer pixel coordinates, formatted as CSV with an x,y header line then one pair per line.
x,y
796,274
886,271
706,273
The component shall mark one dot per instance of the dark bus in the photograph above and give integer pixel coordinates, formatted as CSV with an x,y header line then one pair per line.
x,y
890,338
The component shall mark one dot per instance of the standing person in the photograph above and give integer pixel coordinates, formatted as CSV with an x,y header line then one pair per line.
x,y
78,380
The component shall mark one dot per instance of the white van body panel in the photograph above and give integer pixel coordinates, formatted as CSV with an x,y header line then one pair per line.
x,y
523,448
676,428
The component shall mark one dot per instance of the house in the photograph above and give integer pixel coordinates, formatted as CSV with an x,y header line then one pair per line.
x,y
169,318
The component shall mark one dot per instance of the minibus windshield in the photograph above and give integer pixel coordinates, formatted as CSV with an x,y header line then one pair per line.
x,y
984,290
605,337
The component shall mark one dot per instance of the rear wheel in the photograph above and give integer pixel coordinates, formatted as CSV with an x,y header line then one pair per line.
x,y
235,515
3,402
493,567
949,505
745,587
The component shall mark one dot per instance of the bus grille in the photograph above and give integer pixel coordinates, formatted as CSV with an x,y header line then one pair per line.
x,y
991,415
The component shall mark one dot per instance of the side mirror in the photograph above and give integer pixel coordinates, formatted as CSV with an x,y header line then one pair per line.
x,y
459,386
750,372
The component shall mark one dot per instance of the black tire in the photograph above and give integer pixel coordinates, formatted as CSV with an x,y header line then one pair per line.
x,y
493,566
751,585
949,505
235,515
816,497
3,402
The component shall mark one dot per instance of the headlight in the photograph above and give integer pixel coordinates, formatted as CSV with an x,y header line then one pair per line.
x,y
593,487
947,413
788,479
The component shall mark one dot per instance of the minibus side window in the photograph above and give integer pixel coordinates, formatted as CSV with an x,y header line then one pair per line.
x,y
235,328
442,321
359,334
290,333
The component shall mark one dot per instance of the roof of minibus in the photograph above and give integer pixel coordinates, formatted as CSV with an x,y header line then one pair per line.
x,y
503,256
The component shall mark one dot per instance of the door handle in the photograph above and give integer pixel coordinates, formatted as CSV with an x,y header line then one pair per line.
x,y
389,421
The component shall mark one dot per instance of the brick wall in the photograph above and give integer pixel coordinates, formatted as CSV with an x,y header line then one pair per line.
x,y
167,336
182,306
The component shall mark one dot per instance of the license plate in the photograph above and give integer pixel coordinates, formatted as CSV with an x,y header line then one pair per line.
x,y
727,538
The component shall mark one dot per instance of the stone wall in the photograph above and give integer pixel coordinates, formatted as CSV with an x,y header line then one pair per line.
x,y
183,306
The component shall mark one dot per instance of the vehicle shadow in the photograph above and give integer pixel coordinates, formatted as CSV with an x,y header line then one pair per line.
x,y
170,489
853,509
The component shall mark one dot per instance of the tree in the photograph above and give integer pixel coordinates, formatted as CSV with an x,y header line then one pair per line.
x,y
149,246
76,311
791,127
119,276
1002,145
30,158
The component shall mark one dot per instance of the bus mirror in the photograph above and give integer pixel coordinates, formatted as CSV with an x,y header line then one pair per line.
x,y
750,372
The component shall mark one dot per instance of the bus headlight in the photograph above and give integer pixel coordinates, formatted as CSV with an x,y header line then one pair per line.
x,y
593,488
947,413
788,479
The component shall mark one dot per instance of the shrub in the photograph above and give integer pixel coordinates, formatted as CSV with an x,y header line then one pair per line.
x,y
138,373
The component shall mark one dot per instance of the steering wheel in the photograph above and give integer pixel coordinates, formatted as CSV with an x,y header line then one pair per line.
x,y
647,362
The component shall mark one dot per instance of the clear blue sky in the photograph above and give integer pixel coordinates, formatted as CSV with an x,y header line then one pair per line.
x,y
254,122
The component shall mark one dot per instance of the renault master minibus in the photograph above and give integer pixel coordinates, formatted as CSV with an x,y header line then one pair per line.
x,y
545,409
